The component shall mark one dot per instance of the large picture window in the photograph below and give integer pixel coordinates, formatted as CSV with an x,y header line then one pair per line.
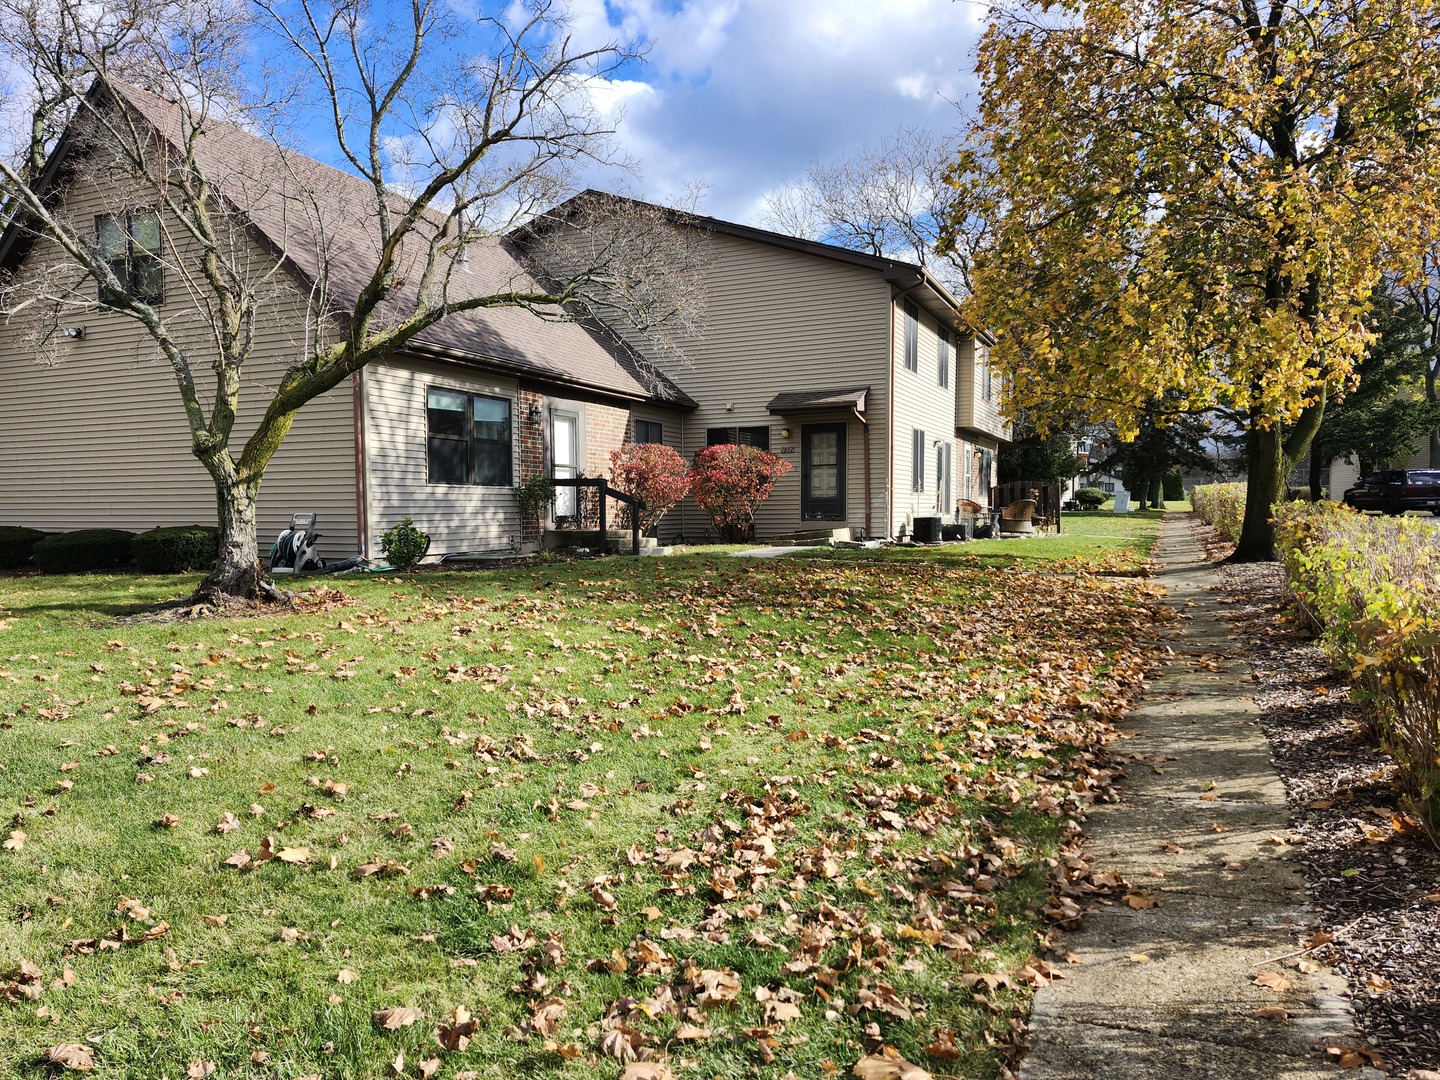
x,y
132,246
467,438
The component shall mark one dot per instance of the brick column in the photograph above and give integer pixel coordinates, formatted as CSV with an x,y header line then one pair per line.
x,y
532,450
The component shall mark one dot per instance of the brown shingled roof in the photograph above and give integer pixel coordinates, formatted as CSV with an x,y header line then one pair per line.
x,y
314,215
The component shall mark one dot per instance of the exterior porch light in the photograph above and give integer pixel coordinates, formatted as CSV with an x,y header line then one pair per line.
x,y
784,433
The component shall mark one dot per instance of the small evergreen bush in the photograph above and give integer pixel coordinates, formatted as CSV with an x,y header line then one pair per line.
x,y
86,549
1090,498
16,545
173,549
534,495
404,545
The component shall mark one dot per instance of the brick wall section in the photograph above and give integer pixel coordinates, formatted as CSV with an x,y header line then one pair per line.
x,y
606,428
532,450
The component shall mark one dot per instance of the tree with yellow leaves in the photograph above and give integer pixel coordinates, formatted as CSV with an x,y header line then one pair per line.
x,y
1198,198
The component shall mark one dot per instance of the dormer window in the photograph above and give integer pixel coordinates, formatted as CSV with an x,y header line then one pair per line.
x,y
131,244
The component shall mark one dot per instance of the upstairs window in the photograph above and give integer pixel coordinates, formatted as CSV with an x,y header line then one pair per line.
x,y
131,244
649,431
912,337
987,387
917,460
467,438
944,354
740,436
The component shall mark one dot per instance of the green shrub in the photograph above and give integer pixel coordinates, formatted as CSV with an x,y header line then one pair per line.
x,y
87,549
1090,498
1371,588
1174,486
404,545
16,545
534,496
174,549
1221,506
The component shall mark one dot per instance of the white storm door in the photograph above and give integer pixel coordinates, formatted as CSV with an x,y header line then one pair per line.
x,y
565,460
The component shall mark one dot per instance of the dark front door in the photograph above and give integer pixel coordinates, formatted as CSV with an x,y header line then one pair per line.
x,y
822,472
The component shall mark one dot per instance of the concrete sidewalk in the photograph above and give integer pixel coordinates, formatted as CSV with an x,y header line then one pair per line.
x,y
1169,991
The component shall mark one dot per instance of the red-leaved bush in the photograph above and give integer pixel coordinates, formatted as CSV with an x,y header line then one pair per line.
x,y
654,472
730,482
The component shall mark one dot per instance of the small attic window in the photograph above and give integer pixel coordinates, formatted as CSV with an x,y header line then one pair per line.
x,y
131,243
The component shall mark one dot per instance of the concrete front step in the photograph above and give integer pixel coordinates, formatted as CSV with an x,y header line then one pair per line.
x,y
811,536
617,539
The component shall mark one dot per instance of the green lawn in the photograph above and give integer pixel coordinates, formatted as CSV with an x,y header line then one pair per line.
x,y
724,813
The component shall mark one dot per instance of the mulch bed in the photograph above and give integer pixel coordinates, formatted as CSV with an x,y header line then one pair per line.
x,y
1370,874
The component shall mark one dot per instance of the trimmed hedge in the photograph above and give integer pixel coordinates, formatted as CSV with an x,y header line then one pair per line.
x,y
1222,506
1090,498
174,549
1371,588
87,549
16,545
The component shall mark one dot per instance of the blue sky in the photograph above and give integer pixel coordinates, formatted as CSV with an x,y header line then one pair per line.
x,y
745,94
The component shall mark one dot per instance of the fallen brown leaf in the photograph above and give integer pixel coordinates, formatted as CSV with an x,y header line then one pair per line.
x,y
1273,980
75,1057
393,1019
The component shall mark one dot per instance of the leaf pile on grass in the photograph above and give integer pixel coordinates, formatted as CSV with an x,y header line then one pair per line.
x,y
641,818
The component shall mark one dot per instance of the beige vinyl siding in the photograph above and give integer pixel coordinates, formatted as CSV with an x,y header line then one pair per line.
x,y
100,439
922,404
781,320
458,517
971,409
670,421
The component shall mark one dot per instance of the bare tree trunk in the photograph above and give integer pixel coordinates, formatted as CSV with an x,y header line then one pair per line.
x,y
1157,492
1139,486
1262,490
237,571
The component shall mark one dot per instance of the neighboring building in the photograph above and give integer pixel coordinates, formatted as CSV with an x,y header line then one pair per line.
x,y
856,369
1340,474
1091,451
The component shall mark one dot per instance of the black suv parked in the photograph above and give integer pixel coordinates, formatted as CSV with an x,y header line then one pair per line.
x,y
1395,491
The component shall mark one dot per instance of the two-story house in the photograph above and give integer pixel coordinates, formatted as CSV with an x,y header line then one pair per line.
x,y
856,369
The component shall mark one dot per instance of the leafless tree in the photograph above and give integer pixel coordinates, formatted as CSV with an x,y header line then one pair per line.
x,y
1422,294
889,200
458,129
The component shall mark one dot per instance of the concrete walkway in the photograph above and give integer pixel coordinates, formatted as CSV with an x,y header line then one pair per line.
x,y
1169,991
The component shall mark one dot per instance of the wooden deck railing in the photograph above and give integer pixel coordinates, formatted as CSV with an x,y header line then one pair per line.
x,y
635,503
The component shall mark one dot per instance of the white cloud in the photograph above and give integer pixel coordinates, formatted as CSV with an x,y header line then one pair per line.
x,y
747,93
